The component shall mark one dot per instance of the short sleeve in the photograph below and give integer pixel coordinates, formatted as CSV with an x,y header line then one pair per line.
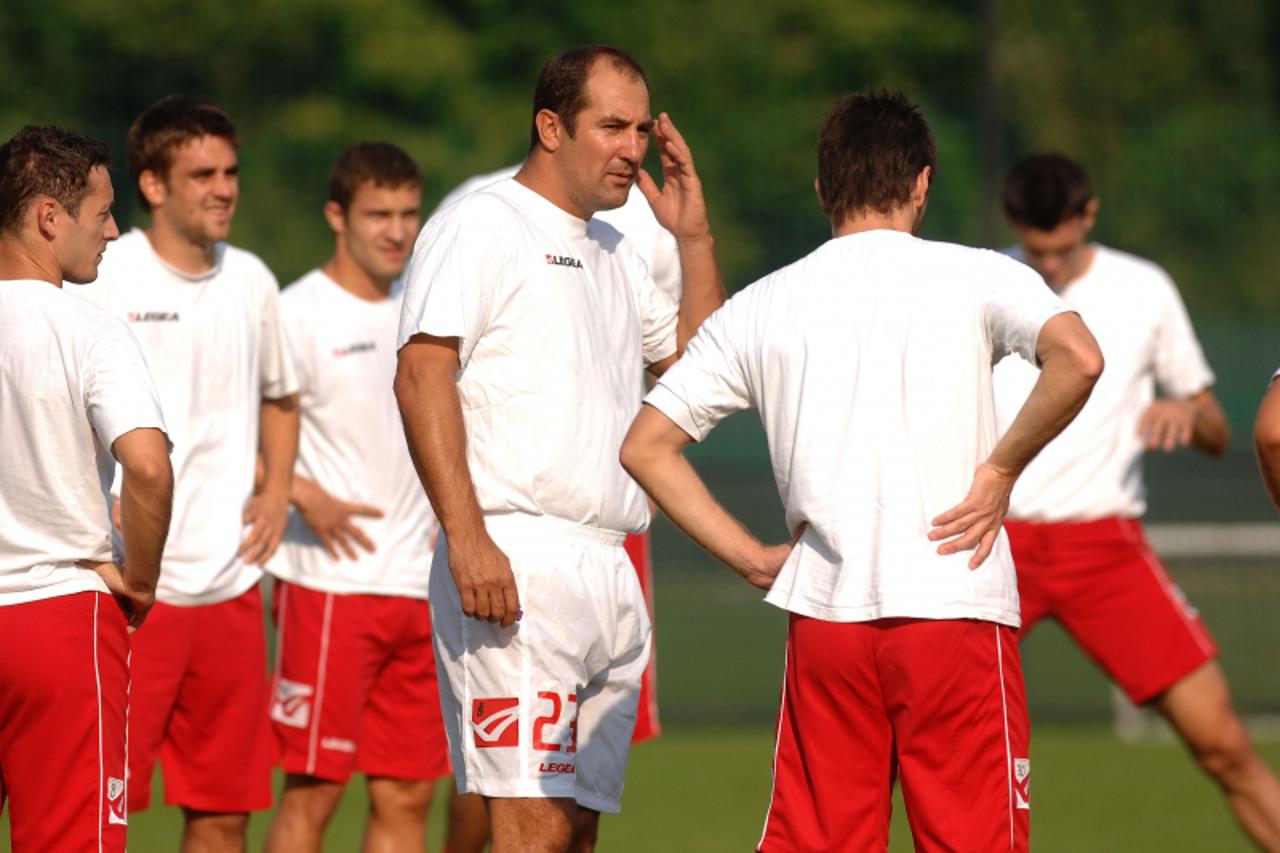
x,y
455,274
659,314
1181,369
1019,303
119,394
276,365
710,380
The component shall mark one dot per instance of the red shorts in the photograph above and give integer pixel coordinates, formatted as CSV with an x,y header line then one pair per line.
x,y
940,702
355,686
199,702
1102,581
64,685
647,724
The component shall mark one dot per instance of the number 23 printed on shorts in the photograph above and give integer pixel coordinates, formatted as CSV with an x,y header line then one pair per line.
x,y
495,724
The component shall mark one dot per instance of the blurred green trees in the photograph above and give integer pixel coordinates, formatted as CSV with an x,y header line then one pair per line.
x,y
1173,106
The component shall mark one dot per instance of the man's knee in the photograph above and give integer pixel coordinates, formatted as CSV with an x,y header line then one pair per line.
x,y
1226,753
312,801
214,830
533,824
400,798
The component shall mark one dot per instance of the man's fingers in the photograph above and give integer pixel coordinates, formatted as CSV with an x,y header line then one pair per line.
x,y
959,510
364,509
467,596
985,544
357,534
327,540
339,536
672,136
956,527
648,187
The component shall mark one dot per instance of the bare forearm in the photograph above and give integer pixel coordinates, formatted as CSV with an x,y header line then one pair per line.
x,y
278,428
146,502
1212,432
703,289
1266,441
1056,399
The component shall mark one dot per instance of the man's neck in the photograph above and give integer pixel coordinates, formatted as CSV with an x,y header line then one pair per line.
x,y
1082,266
354,279
180,252
904,219
18,261
538,174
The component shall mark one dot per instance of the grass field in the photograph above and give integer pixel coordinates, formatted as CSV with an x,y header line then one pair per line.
x,y
703,785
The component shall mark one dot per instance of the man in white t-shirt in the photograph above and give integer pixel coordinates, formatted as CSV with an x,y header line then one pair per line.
x,y
869,361
524,322
355,677
76,398
657,248
1074,517
207,317
1266,439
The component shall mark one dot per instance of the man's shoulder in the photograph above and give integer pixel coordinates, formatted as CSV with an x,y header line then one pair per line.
x,y
305,290
238,262
1130,268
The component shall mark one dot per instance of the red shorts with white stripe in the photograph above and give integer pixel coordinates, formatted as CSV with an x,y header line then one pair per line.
x,y
355,686
939,702
647,723
198,701
1103,583
64,684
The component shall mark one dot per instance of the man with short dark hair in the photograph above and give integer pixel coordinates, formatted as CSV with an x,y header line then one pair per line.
x,y
76,398
1075,525
355,680
870,363
525,321
207,316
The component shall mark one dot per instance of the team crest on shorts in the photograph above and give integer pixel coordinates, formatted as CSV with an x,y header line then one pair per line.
x,y
292,705
117,811
1022,782
495,722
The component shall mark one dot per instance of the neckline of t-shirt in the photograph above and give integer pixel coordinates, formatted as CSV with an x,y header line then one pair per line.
x,y
396,287
219,252
545,209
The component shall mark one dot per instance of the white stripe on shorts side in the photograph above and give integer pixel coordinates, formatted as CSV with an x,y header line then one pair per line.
x,y
1008,747
1166,584
777,740
97,679
318,707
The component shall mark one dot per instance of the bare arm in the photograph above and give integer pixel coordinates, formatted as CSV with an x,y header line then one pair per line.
x,y
268,510
1198,421
1266,440
426,389
653,453
1070,364
146,500
681,208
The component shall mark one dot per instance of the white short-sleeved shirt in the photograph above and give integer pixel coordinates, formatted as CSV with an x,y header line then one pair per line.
x,y
635,220
216,348
1094,468
553,314
870,363
352,443
72,381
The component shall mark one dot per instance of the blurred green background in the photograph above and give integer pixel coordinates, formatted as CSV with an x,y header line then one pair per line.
x,y
1173,106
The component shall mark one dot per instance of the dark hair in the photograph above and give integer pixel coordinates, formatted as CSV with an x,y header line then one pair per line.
x,y
872,147
1045,190
169,124
562,85
48,161
384,164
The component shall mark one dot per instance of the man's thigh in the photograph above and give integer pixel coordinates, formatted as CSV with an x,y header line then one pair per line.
x,y
217,752
833,761
63,688
955,695
1125,611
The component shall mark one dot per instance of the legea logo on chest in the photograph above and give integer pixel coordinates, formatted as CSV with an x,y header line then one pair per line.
x,y
563,261
153,316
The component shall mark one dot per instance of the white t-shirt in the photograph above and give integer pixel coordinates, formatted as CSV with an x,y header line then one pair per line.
x,y
1094,468
72,381
216,348
635,220
553,314
352,442
870,363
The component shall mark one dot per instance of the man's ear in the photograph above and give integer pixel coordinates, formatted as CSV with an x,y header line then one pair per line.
x,y
336,217
152,187
920,192
46,211
551,130
1090,215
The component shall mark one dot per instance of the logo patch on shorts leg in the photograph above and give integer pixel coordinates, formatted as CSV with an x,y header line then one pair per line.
x,y
495,722
292,705
117,810
1022,782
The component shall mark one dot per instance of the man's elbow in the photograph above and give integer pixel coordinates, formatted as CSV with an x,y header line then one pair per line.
x,y
1090,363
152,471
1266,437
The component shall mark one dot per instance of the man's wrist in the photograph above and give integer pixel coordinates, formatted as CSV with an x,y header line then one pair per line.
x,y
697,241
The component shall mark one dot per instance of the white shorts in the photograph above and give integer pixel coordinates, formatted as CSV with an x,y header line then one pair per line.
x,y
546,707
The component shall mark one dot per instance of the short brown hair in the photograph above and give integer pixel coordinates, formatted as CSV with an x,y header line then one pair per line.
x,y
169,124
562,85
46,161
872,147
1044,190
384,164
